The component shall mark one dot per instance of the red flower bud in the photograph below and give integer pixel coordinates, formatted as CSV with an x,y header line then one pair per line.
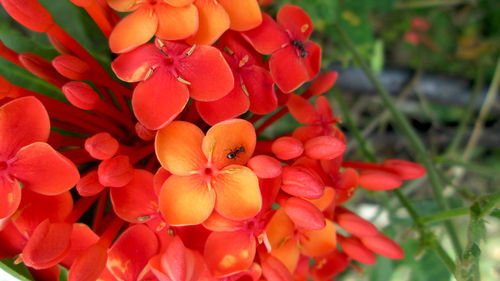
x,y
72,67
274,269
383,246
353,223
143,132
406,170
379,180
353,247
286,148
81,95
304,214
301,182
41,68
89,184
265,166
324,148
29,13
115,172
102,146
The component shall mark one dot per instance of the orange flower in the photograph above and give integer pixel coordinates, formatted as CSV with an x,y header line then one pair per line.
x,y
200,21
207,172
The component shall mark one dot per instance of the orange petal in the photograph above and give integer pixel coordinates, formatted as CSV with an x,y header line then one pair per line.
x,y
319,242
216,222
280,228
178,3
244,14
229,252
176,23
123,5
274,269
178,147
133,30
230,142
186,200
288,253
238,193
324,201
213,21
304,214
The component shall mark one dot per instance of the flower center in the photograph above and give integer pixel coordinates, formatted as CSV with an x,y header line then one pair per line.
x,y
3,166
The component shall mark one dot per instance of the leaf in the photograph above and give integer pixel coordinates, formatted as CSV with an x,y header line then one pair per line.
x,y
19,271
377,59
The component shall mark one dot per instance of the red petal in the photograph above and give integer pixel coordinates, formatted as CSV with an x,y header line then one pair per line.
x,y
267,37
324,148
35,208
265,166
312,61
323,83
287,69
48,274
22,121
406,170
296,21
89,184
353,247
229,252
159,99
301,182
42,169
174,260
209,75
286,148
379,180
329,266
260,87
101,146
135,65
48,245
159,178
269,189
302,110
90,264
29,13
274,269
383,246
10,196
82,237
346,185
131,252
237,47
136,201
353,223
11,239
304,214
115,172
324,110
232,105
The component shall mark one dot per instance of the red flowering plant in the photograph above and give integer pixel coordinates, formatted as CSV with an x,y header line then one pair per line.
x,y
164,178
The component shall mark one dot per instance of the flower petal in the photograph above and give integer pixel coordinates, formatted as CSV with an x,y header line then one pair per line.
x,y
159,99
22,121
279,229
186,200
319,242
123,5
304,214
232,105
229,252
288,253
267,37
116,171
323,83
133,30
296,21
10,196
135,65
136,201
287,69
101,146
274,269
82,237
260,87
228,137
383,246
131,251
243,14
179,3
213,21
176,23
353,247
89,184
48,245
238,193
302,110
89,264
312,61
42,169
207,72
216,222
178,148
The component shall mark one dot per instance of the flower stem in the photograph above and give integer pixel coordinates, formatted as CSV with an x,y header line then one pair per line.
x,y
445,215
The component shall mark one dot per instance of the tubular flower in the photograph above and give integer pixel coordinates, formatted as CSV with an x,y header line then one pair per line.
x,y
168,74
294,59
207,172
200,21
26,157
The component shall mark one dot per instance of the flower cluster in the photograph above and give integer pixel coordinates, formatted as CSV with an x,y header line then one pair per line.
x,y
164,179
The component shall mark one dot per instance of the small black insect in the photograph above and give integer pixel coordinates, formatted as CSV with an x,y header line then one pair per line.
x,y
233,154
300,46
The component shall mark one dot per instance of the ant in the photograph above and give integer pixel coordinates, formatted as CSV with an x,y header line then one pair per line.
x,y
300,46
233,154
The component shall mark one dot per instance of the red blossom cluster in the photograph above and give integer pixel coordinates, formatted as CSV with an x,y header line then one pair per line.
x,y
177,186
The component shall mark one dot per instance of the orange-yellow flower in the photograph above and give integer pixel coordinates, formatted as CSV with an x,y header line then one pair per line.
x,y
207,172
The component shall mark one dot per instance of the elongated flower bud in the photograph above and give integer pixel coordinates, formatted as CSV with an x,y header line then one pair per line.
x,y
301,182
72,67
115,172
304,214
324,148
286,148
102,146
29,13
81,95
265,166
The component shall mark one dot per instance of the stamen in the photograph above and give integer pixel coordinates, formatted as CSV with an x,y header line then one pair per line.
x,y
191,50
183,81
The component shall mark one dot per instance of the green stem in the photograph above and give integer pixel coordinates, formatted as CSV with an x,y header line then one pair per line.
x,y
430,3
411,135
445,215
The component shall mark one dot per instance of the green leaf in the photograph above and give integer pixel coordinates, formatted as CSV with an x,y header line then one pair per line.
x,y
377,59
19,271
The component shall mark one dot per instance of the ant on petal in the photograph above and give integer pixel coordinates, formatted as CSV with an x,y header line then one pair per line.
x,y
233,154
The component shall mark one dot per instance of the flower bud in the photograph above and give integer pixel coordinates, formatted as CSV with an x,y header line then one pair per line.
x,y
406,170
143,132
301,182
72,67
353,247
379,180
89,184
383,246
265,166
353,223
324,148
81,95
304,214
40,67
29,13
102,146
286,148
115,172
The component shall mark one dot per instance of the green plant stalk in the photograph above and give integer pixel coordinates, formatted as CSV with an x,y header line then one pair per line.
x,y
411,135
430,3
424,231
445,215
